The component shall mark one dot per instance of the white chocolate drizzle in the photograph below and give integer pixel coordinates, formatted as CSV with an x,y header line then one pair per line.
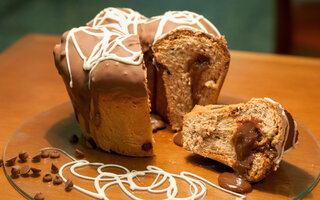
x,y
123,17
112,35
197,187
185,18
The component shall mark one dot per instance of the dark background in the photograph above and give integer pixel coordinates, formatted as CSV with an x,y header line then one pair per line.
x,y
248,25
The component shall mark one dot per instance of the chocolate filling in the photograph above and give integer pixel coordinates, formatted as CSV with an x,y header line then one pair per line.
x,y
195,69
245,142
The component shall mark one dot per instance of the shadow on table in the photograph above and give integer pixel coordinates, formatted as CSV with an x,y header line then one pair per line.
x,y
288,180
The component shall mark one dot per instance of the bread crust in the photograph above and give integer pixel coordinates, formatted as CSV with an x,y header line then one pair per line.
x,y
114,129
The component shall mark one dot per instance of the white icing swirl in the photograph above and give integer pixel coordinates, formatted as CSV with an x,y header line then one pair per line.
x,y
198,189
123,17
185,18
112,35
103,50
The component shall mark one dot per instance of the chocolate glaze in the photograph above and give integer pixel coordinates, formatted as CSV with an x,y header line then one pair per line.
x,y
108,76
289,135
244,141
157,123
232,182
293,134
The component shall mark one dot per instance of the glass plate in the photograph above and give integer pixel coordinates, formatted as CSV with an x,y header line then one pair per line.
x,y
297,175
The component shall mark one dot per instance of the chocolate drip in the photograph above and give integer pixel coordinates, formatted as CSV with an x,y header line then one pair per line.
x,y
195,69
244,141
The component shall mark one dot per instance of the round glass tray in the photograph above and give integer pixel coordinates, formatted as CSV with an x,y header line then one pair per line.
x,y
297,175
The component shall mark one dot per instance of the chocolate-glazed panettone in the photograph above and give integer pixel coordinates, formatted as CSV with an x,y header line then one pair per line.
x,y
116,70
102,67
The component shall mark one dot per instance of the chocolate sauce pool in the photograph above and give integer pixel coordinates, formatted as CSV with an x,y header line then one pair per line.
x,y
232,182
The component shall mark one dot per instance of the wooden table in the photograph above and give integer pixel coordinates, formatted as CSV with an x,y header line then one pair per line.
x,y
30,84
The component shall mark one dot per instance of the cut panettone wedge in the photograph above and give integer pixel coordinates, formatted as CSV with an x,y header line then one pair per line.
x,y
249,137
192,66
